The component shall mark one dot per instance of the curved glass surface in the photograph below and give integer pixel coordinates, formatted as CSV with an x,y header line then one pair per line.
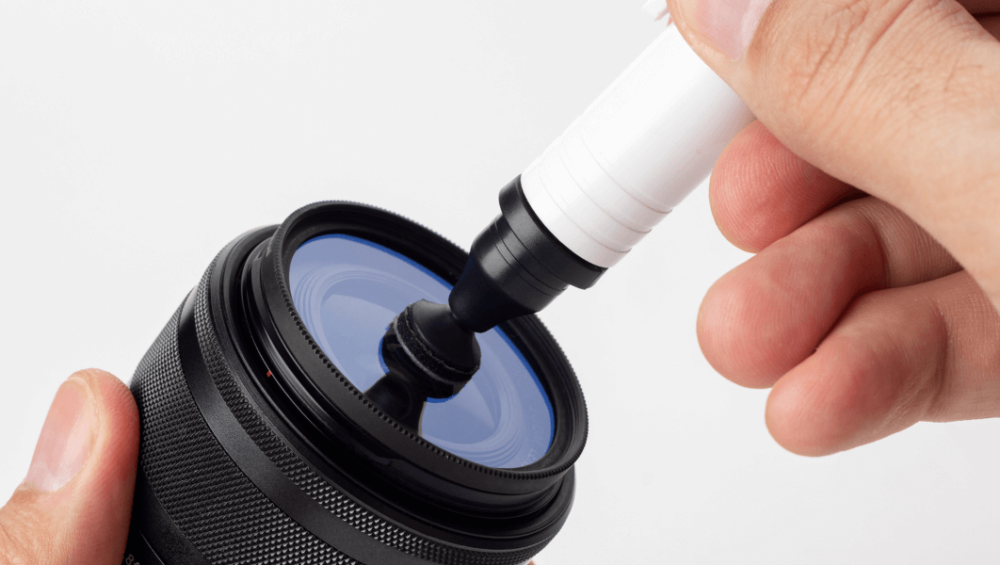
x,y
347,290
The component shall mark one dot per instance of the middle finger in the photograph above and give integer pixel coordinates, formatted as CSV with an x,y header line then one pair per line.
x,y
767,315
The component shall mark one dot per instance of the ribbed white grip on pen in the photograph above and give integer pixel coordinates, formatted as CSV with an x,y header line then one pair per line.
x,y
635,153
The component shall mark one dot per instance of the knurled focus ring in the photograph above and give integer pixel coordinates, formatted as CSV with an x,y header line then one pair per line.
x,y
214,504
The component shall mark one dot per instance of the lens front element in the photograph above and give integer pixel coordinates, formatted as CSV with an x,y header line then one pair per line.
x,y
347,290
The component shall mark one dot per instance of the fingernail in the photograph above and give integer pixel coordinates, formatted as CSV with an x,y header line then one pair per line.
x,y
728,25
67,437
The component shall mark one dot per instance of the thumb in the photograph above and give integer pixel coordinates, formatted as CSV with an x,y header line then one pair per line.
x,y
75,503
896,97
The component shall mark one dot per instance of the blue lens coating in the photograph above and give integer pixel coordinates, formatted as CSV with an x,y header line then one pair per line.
x,y
347,290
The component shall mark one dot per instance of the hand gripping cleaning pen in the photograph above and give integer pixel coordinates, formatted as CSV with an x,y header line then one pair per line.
x,y
615,173
257,445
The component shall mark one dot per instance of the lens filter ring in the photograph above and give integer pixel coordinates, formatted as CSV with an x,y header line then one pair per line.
x,y
327,385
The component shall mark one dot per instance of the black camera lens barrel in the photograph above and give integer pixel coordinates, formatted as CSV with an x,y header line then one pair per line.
x,y
256,449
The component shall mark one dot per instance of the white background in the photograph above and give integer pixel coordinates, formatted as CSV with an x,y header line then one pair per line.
x,y
136,139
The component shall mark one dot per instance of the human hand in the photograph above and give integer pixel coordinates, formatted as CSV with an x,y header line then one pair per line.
x,y
870,190
75,504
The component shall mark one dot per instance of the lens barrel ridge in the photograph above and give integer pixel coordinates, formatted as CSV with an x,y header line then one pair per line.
x,y
193,504
233,469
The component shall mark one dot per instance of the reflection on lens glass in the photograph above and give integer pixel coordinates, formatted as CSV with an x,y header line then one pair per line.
x,y
347,290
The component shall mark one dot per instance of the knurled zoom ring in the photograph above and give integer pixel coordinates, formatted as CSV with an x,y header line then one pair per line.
x,y
213,503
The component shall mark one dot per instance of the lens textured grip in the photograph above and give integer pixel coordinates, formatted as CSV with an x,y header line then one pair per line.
x,y
210,500
328,496
213,503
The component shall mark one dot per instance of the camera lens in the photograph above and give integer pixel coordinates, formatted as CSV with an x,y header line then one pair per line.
x,y
347,290
260,442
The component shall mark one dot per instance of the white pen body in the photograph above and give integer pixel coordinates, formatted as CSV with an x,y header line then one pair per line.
x,y
635,153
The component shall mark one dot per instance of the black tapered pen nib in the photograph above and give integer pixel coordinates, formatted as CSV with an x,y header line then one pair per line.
x,y
445,352
516,267
429,355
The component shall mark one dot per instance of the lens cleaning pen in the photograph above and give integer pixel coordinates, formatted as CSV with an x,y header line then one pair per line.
x,y
614,174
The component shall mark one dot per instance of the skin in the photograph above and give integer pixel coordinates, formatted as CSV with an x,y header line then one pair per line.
x,y
86,520
869,190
